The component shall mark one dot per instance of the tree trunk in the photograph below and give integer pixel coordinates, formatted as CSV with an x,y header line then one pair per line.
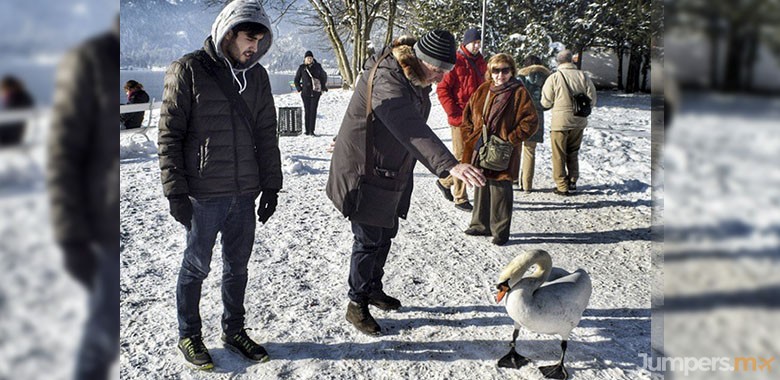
x,y
751,56
634,62
580,54
732,76
645,70
621,51
714,37
326,17
391,8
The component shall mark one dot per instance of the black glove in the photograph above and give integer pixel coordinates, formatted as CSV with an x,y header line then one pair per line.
x,y
324,89
181,209
80,262
267,205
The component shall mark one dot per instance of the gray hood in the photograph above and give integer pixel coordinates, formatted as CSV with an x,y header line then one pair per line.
x,y
234,13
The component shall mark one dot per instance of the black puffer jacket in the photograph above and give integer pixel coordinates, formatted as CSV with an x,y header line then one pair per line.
x,y
83,154
401,103
303,80
205,147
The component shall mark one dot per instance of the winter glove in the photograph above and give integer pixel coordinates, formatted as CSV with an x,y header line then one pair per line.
x,y
324,89
80,262
267,205
181,209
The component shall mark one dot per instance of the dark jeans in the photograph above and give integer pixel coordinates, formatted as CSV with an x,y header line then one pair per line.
x,y
234,217
100,341
310,104
369,254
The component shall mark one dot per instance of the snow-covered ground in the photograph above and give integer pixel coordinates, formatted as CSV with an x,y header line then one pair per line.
x,y
450,326
722,232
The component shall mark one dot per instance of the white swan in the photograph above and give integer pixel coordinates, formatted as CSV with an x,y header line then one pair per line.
x,y
548,301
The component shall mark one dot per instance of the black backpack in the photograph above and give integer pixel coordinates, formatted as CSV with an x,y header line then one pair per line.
x,y
580,101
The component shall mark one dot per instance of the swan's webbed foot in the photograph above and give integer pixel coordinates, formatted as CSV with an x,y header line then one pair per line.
x,y
513,360
557,371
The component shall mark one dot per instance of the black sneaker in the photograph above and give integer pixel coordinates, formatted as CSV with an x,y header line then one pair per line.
x,y
562,193
359,316
383,301
465,206
195,352
445,191
244,345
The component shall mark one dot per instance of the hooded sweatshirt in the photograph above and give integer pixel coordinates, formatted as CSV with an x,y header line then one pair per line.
x,y
234,13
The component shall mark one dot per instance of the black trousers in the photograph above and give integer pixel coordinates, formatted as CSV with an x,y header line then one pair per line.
x,y
310,110
369,254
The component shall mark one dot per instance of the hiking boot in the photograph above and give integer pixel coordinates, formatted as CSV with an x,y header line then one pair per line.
x,y
561,193
445,191
195,352
476,232
383,301
358,316
499,241
244,345
465,206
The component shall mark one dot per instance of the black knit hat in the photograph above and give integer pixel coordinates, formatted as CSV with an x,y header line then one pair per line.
x,y
308,54
437,48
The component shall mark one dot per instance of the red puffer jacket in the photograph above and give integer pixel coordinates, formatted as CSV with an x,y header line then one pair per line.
x,y
457,86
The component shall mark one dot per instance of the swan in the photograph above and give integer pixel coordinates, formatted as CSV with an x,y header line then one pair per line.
x,y
548,301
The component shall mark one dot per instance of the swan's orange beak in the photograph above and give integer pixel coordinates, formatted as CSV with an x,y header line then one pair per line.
x,y
502,289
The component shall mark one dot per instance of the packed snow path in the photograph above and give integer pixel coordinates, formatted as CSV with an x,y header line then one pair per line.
x,y
450,326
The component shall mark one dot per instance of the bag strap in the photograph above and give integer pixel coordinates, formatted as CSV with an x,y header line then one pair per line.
x,y
370,114
484,118
236,101
566,84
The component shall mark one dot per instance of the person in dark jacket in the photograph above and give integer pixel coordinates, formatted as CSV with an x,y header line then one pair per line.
x,y
310,93
215,161
135,95
454,92
83,182
370,179
14,97
533,74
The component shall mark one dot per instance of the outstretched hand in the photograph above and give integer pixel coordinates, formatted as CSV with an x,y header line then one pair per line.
x,y
469,174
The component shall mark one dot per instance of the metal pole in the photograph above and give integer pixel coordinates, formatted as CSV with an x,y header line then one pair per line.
x,y
484,11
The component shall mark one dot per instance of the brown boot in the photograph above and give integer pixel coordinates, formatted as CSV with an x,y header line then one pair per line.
x,y
383,301
358,315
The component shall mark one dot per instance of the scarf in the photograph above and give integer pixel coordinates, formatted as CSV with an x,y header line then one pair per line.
x,y
501,96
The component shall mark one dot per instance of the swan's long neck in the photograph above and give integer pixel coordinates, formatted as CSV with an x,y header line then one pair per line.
x,y
517,268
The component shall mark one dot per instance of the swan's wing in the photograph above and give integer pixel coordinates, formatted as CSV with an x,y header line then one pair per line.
x,y
556,273
574,288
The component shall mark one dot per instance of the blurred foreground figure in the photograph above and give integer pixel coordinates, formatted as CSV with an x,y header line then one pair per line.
x,y
13,96
83,178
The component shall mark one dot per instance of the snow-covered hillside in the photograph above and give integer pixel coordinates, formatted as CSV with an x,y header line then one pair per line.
x,y
450,326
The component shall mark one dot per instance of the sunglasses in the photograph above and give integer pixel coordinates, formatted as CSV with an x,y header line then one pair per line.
x,y
502,70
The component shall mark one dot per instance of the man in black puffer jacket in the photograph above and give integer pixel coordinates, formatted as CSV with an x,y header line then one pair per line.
x,y
216,156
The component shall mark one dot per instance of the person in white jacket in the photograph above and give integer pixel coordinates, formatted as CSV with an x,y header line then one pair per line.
x,y
565,128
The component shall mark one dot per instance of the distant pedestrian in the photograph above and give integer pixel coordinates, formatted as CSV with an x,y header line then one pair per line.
x,y
454,92
566,129
533,74
310,81
218,151
14,97
135,95
501,107
383,135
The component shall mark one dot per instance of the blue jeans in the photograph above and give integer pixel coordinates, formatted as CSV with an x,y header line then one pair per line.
x,y
100,341
234,218
369,254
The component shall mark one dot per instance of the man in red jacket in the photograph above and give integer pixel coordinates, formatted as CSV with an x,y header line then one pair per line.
x,y
454,92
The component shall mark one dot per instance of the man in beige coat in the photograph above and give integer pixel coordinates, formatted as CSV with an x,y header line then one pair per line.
x,y
566,129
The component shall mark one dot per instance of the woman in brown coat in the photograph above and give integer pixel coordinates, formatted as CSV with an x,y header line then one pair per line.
x,y
504,105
